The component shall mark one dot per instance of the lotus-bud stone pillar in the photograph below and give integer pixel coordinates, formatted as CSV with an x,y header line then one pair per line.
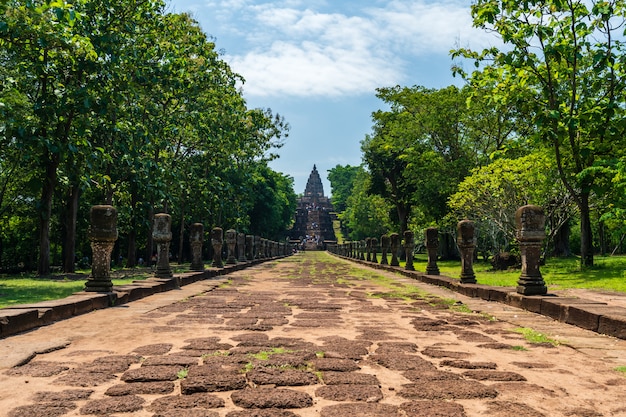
x,y
241,247
217,240
249,247
432,247
395,245
257,247
368,249
231,243
102,234
467,244
530,222
374,250
196,238
162,235
384,248
409,245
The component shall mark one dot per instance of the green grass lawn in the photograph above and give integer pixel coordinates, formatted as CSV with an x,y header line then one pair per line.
x,y
26,289
608,273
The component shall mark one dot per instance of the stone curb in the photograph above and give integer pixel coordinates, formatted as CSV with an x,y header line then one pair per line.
x,y
591,315
23,317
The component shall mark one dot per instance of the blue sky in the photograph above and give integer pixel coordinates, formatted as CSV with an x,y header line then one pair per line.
x,y
318,63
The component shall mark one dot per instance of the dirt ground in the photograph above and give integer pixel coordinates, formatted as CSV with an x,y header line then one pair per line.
x,y
309,336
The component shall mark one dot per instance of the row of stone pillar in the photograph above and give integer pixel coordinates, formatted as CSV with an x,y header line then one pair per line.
x,y
530,223
240,247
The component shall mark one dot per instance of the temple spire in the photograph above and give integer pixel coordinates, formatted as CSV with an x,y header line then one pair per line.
x,y
314,187
314,224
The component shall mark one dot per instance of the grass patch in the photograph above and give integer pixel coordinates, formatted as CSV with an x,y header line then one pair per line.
x,y
535,337
608,273
621,369
182,374
263,356
266,354
519,348
29,288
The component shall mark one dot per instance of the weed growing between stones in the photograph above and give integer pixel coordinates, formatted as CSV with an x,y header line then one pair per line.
x,y
535,337
519,348
621,369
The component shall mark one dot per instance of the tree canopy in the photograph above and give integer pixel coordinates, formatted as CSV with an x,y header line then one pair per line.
x,y
120,102
567,59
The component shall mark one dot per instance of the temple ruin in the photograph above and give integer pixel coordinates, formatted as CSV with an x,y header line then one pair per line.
x,y
313,228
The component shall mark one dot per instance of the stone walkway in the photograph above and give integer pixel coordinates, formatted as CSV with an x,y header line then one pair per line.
x,y
310,335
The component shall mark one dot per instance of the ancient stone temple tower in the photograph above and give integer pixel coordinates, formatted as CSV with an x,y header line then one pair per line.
x,y
313,227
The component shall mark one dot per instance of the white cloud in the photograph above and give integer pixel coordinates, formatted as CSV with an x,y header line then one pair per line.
x,y
294,48
423,27
310,69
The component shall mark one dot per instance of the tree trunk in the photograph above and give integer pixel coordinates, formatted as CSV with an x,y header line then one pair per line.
x,y
47,192
561,241
602,239
403,216
181,238
586,236
617,247
149,241
131,260
69,247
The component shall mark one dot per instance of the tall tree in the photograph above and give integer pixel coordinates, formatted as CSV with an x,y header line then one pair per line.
x,y
341,184
419,149
366,214
567,57
492,194
43,40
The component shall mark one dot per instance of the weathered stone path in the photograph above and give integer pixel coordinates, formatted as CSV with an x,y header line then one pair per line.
x,y
309,335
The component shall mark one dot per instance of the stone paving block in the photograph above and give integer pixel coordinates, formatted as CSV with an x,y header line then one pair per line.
x,y
613,324
556,307
430,279
586,315
50,311
15,320
532,304
271,398
500,294
167,284
347,392
469,290
85,303
137,291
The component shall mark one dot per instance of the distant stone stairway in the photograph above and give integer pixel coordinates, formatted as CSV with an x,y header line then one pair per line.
x,y
313,223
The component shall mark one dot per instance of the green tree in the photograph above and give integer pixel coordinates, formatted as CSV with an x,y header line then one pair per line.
x,y
341,184
420,149
491,195
42,39
567,58
273,203
116,102
366,215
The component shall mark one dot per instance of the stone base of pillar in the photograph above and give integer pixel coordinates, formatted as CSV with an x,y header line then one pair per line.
x,y
196,267
432,270
531,286
163,273
468,279
98,286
